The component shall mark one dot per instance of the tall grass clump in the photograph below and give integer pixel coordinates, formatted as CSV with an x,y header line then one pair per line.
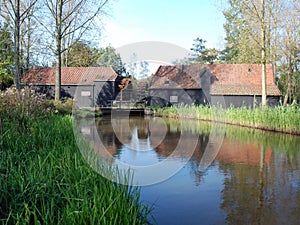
x,y
21,107
282,119
44,178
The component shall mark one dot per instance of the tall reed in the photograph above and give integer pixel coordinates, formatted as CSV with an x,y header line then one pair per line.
x,y
282,119
44,178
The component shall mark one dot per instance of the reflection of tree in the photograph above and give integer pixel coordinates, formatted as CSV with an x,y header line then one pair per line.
x,y
169,143
194,162
108,137
142,126
240,193
261,193
261,185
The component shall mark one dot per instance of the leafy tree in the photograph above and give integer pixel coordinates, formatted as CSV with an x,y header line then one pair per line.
x,y
251,30
6,56
266,31
143,69
132,66
17,11
201,54
79,54
109,57
289,52
241,46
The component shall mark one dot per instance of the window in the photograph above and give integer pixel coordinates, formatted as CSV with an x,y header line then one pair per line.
x,y
85,93
173,98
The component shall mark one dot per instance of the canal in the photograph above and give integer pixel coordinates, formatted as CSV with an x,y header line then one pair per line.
x,y
192,172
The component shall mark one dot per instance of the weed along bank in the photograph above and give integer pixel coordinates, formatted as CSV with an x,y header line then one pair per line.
x,y
90,86
226,84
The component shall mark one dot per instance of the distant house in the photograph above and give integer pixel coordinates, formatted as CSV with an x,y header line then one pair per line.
x,y
225,84
90,86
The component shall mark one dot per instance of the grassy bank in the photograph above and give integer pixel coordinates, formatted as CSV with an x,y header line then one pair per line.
x,y
277,141
44,178
280,119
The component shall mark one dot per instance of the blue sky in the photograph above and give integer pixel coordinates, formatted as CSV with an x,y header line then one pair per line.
x,y
174,21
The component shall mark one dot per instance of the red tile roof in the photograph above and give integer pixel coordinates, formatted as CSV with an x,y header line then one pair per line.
x,y
69,75
231,79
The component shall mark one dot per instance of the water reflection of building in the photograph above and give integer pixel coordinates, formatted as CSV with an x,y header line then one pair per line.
x,y
113,134
237,152
103,141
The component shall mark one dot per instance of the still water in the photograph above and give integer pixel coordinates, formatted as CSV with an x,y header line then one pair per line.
x,y
201,173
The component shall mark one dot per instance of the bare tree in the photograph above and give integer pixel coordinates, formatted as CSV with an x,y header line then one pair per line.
x,y
17,11
29,26
68,21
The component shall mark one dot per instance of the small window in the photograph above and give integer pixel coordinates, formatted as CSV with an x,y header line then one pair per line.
x,y
39,79
173,98
167,82
85,93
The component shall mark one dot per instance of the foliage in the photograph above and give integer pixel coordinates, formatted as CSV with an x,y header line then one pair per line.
x,y
63,106
201,54
144,69
289,53
79,54
22,107
243,27
241,35
17,12
109,57
87,113
6,57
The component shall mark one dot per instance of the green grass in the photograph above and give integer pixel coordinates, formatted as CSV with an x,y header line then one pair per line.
x,y
45,180
281,119
278,142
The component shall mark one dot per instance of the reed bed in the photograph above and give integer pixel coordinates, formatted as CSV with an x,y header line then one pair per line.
x,y
278,142
44,178
280,119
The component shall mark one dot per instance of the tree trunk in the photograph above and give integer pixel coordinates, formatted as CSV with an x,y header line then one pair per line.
x,y
285,100
17,46
274,56
58,69
263,56
58,50
28,44
288,96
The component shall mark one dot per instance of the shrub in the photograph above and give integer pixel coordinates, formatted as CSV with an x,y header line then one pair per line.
x,y
22,106
63,106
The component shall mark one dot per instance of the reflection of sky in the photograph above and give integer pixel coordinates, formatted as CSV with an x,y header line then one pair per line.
x,y
138,152
179,201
